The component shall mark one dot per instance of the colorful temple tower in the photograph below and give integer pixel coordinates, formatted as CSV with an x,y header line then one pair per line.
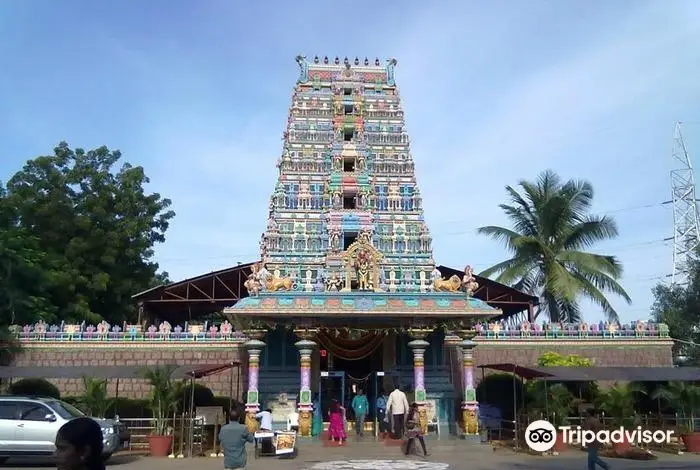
x,y
347,256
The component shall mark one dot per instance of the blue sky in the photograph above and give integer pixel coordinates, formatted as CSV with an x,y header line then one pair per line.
x,y
198,93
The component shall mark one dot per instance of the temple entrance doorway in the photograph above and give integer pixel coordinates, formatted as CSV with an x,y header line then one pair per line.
x,y
359,375
330,387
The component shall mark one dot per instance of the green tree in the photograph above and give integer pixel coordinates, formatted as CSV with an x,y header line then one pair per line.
x,y
85,231
551,229
679,308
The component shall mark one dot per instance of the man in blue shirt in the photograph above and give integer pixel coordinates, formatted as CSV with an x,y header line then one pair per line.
x,y
360,406
233,438
381,414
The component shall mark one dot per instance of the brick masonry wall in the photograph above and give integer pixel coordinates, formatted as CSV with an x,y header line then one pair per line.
x,y
136,355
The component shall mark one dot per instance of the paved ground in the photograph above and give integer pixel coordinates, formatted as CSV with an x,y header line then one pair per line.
x,y
376,456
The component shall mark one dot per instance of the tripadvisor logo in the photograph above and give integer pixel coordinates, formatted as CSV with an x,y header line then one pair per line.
x,y
541,436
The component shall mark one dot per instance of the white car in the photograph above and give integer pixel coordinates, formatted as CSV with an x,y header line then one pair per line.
x,y
28,427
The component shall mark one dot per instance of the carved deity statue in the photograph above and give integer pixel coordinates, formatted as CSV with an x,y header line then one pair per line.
x,y
390,65
335,240
365,237
363,265
469,281
334,283
361,162
303,69
254,283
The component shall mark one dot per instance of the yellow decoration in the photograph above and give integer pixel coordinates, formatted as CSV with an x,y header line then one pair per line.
x,y
251,422
423,419
305,423
453,284
471,422
273,284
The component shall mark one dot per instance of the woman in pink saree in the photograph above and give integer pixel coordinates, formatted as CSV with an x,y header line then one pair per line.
x,y
336,427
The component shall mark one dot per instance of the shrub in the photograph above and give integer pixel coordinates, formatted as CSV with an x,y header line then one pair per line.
x,y
35,387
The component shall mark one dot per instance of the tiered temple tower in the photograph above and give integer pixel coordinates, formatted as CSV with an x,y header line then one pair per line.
x,y
347,255
346,173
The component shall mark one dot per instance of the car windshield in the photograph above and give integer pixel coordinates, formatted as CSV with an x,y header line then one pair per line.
x,y
65,410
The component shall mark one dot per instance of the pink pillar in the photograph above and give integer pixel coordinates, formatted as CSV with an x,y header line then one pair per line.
x,y
419,346
305,407
470,407
252,405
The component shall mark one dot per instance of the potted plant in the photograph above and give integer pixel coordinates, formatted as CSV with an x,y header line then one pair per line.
x,y
618,403
165,396
685,399
555,401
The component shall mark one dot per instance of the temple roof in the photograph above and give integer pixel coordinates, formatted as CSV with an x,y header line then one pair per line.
x,y
208,293
363,304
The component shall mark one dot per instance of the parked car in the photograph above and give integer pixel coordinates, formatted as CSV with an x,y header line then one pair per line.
x,y
28,427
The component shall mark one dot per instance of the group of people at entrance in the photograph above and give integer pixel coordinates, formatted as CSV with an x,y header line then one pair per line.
x,y
394,416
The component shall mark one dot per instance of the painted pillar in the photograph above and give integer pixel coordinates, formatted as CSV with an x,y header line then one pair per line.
x,y
252,405
305,406
419,346
470,407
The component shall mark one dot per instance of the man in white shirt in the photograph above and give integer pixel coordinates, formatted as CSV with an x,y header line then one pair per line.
x,y
293,421
265,418
397,405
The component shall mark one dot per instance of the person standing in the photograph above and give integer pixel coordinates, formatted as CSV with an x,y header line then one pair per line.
x,y
381,413
233,438
397,405
265,418
414,431
594,424
360,406
336,426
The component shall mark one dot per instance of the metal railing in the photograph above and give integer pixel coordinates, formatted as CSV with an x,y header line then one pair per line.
x,y
190,436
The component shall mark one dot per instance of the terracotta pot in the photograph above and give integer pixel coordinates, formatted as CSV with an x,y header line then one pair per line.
x,y
160,445
559,444
623,447
691,441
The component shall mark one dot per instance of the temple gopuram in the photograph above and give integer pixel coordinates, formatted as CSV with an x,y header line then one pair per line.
x,y
346,294
347,256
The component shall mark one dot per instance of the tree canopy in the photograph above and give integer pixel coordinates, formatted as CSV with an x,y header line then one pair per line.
x,y
552,228
77,237
679,308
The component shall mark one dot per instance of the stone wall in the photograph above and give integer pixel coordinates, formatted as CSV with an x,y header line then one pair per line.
x,y
105,354
523,352
609,352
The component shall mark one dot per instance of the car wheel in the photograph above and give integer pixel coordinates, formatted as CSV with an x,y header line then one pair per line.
x,y
105,457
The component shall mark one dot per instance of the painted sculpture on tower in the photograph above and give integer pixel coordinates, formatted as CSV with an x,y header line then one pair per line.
x,y
469,281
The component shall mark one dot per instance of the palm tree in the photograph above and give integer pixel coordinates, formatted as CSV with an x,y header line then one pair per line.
x,y
95,399
618,402
551,230
685,398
